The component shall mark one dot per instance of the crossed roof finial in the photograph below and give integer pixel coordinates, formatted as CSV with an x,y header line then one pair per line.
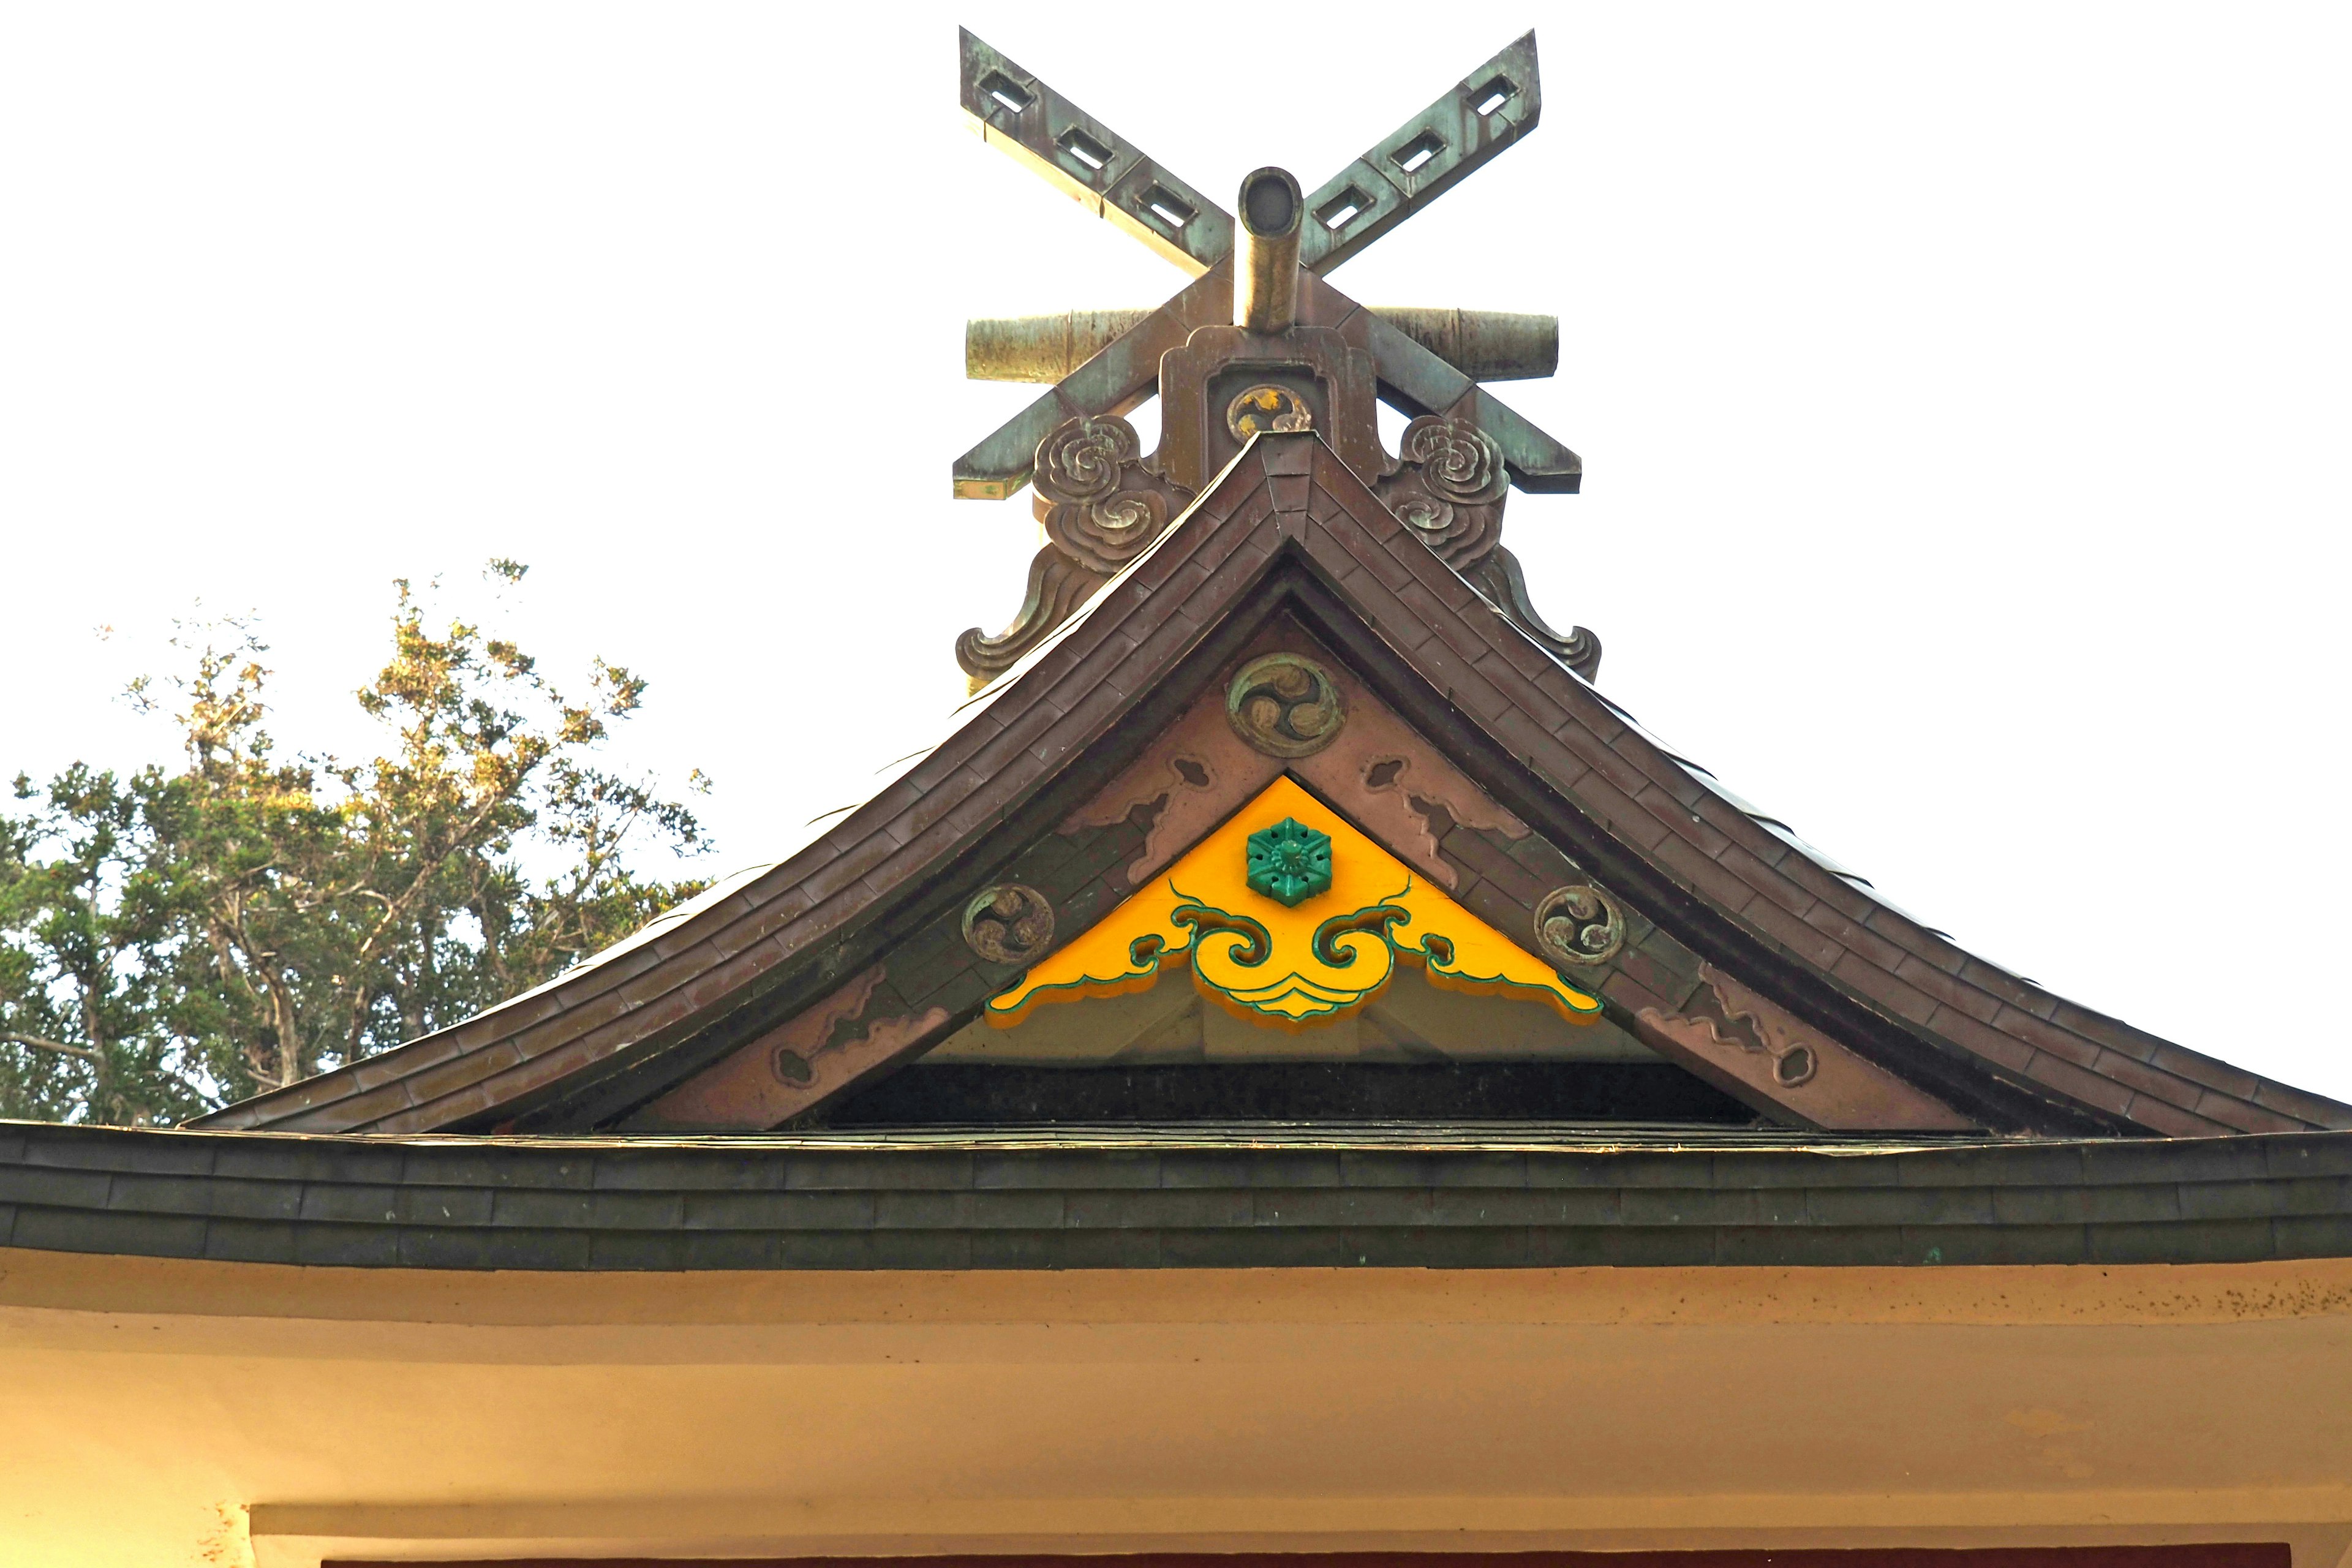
x,y
1338,355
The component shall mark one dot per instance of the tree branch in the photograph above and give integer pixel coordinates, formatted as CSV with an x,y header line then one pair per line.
x,y
38,1044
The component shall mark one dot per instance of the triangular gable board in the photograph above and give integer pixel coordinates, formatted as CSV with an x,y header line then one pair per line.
x,y
1469,752
1396,792
1290,918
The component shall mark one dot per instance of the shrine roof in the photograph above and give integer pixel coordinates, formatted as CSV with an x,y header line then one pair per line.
x,y
1912,1102
1288,528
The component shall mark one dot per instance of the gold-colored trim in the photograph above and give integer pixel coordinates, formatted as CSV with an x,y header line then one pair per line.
x,y
1289,967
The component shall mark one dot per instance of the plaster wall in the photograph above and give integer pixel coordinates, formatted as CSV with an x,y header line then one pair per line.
x,y
165,1412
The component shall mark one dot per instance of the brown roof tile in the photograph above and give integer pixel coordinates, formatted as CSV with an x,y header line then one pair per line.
x,y
2159,1116
1944,986
1980,1039
2080,1083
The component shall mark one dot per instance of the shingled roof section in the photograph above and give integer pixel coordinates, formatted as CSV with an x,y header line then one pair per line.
x,y
1288,526
1207,1199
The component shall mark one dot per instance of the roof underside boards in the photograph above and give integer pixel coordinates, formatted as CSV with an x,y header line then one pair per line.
x,y
1464,1197
1288,528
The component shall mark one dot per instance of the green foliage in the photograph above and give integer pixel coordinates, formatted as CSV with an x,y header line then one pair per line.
x,y
172,941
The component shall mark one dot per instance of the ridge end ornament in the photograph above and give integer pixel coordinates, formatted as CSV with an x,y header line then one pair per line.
x,y
1449,489
1095,496
1500,581
1100,508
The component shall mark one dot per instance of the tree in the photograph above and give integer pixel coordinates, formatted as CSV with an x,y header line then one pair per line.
x,y
80,988
172,941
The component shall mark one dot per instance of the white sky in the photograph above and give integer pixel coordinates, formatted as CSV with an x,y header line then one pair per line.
x,y
1962,393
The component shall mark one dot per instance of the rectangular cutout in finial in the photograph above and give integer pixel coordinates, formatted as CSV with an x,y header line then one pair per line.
x,y
1343,209
1413,154
1003,90
1170,208
1084,148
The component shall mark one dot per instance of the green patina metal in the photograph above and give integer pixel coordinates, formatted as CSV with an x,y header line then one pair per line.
x,y
1289,862
1485,112
1258,312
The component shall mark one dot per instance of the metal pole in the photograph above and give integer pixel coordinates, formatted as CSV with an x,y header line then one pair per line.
x,y
1266,273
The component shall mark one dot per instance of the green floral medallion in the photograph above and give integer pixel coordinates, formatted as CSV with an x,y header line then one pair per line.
x,y
1289,862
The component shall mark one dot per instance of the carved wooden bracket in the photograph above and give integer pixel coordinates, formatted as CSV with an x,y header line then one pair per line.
x,y
1450,488
1505,586
1101,507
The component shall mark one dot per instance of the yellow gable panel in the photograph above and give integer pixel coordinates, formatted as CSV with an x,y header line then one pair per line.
x,y
1289,916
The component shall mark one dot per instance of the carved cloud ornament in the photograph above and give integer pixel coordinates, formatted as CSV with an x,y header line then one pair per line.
x,y
1101,506
1288,916
1095,499
1457,460
1450,488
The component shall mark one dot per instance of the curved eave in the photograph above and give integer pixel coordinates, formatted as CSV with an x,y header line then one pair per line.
x,y
1141,1198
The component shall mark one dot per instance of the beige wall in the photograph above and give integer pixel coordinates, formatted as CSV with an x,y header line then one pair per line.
x,y
146,1407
